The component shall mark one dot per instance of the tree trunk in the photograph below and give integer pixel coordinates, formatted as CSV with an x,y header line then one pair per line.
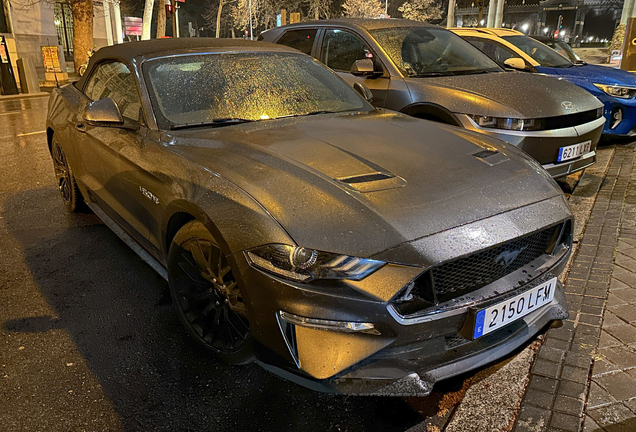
x,y
161,18
218,19
82,11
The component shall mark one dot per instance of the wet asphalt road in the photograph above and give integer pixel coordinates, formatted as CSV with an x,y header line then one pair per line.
x,y
89,340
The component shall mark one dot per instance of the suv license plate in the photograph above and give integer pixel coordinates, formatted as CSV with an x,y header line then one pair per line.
x,y
505,312
574,151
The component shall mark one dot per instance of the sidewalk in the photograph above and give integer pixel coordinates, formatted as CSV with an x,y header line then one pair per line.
x,y
584,375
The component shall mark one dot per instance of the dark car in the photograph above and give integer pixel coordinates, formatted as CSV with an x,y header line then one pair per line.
x,y
428,72
345,247
615,88
561,47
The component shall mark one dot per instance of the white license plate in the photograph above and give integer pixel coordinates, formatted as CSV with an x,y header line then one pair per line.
x,y
502,314
574,151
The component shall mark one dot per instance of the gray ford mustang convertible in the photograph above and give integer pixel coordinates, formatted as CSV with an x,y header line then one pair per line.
x,y
348,248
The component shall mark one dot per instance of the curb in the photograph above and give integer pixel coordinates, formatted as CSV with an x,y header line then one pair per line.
x,y
23,96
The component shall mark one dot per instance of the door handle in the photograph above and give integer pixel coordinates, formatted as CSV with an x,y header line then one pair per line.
x,y
80,127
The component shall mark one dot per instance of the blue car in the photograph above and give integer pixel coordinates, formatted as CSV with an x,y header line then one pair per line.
x,y
614,87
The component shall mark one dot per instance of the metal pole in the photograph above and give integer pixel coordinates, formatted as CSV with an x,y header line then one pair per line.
x,y
627,11
145,26
450,20
499,14
107,22
492,6
386,7
117,14
251,34
176,18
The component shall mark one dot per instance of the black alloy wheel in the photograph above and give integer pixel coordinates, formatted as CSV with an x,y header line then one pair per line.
x,y
206,295
66,184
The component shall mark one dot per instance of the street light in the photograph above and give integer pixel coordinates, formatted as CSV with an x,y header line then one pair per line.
x,y
525,27
545,30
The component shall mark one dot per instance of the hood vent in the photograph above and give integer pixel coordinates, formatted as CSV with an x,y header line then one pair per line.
x,y
372,182
365,178
491,157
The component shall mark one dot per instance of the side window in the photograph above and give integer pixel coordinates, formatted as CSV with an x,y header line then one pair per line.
x,y
492,49
115,81
340,49
302,39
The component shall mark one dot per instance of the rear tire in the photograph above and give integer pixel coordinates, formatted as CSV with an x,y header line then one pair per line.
x,y
206,295
66,183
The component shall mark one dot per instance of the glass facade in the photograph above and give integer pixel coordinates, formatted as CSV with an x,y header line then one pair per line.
x,y
64,26
4,19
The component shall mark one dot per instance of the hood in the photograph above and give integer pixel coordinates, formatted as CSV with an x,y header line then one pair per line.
x,y
598,74
502,94
361,183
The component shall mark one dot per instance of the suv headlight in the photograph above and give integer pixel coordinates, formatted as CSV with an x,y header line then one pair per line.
x,y
508,123
304,265
617,91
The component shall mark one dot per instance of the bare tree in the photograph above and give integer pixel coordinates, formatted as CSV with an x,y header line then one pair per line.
x,y
219,18
263,14
362,8
318,8
421,10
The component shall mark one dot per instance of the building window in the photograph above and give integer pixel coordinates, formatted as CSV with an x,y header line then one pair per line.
x,y
64,26
4,18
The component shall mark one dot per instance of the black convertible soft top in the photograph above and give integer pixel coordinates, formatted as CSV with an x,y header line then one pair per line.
x,y
128,51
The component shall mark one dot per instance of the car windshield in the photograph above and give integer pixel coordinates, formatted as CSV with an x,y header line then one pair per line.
x,y
541,53
227,88
565,50
423,51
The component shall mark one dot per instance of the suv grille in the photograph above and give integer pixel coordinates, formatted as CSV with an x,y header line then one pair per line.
x,y
571,120
461,276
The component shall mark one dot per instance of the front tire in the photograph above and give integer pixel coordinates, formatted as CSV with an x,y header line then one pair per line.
x,y
206,295
66,183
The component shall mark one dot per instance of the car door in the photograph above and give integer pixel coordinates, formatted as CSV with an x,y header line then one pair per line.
x,y
340,49
111,154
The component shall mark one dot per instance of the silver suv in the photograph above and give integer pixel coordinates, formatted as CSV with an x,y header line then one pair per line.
x,y
429,72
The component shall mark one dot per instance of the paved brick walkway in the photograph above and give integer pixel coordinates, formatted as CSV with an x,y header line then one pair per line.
x,y
584,376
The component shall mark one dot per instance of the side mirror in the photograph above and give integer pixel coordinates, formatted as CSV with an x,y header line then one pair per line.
x,y
103,111
515,63
363,67
364,91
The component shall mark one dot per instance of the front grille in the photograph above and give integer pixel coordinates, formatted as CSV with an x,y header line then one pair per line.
x,y
571,120
482,268
455,278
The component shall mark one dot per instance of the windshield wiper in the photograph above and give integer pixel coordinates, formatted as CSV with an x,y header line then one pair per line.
x,y
216,122
429,74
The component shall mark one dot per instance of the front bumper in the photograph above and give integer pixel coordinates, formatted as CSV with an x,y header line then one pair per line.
x,y
410,354
544,145
625,109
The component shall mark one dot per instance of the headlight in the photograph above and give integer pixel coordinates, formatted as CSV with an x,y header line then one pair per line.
x,y
508,123
617,91
304,265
